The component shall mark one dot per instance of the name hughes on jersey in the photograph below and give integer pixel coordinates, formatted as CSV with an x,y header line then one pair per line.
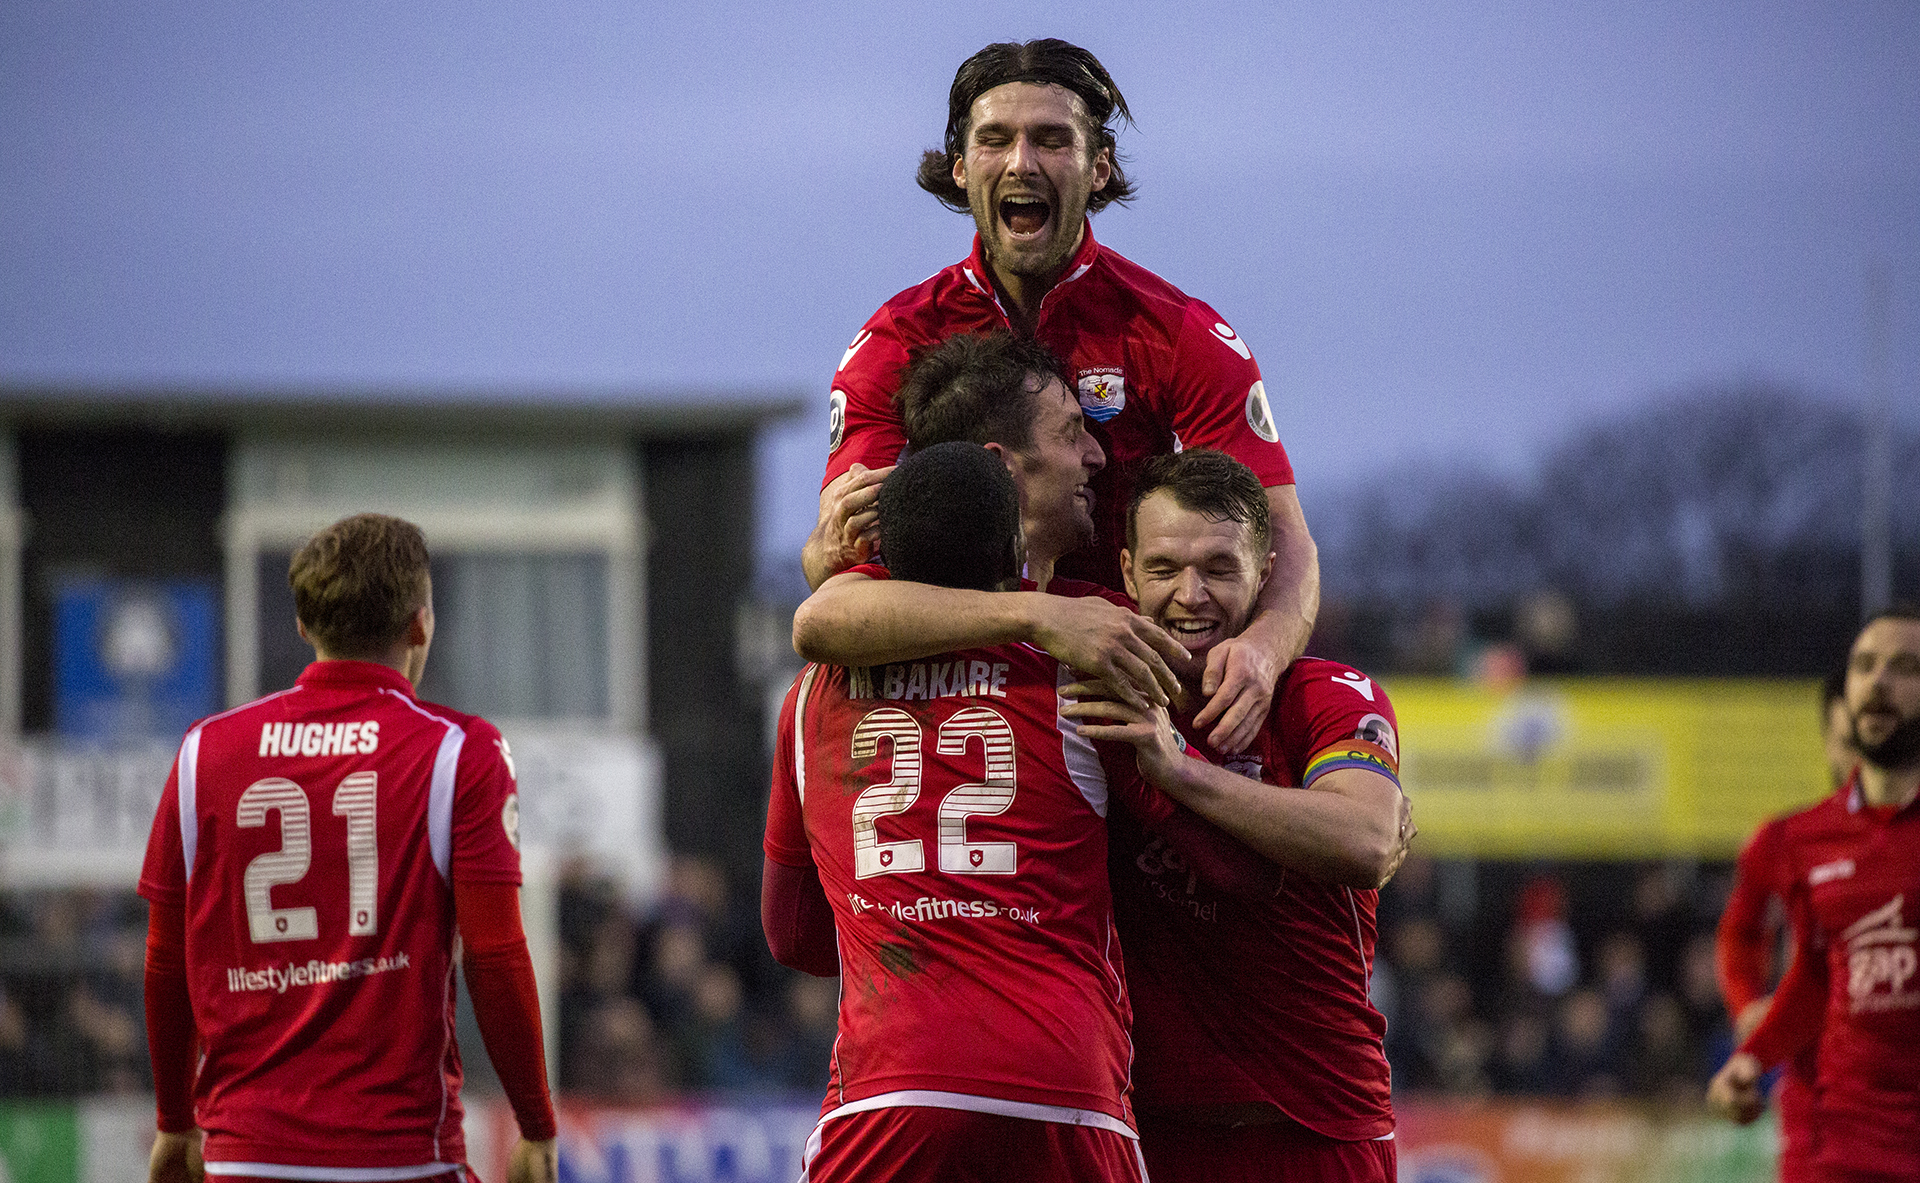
x,y
319,739
929,679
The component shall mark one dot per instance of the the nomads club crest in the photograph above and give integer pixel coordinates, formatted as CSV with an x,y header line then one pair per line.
x,y
1103,392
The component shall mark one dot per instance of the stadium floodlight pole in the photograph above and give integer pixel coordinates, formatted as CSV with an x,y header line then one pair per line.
x,y
1876,493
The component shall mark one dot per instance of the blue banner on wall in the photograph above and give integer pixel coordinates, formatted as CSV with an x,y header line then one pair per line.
x,y
687,1141
134,658
687,1144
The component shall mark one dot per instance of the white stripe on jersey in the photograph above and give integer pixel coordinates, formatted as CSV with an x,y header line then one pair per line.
x,y
188,766
447,1049
189,781
1083,763
280,1170
800,732
935,1099
440,795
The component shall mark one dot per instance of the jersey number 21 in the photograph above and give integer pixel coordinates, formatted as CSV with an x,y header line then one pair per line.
x,y
354,800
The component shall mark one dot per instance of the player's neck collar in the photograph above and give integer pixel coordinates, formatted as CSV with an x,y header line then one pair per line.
x,y
1084,257
343,671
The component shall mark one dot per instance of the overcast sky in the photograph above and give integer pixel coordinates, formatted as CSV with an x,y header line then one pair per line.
x,y
1448,231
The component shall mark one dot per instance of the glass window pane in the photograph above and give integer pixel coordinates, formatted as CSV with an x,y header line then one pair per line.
x,y
520,636
515,635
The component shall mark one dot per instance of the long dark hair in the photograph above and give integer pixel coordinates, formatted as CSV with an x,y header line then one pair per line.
x,y
1048,60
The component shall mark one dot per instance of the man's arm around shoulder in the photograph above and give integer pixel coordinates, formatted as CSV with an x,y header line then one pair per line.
x,y
1352,828
856,620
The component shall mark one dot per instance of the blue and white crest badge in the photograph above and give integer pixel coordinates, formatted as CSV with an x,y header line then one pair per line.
x,y
1103,392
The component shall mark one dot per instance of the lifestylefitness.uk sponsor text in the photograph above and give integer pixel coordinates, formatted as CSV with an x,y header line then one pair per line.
x,y
311,973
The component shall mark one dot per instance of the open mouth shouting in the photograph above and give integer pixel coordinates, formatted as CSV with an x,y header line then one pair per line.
x,y
1025,216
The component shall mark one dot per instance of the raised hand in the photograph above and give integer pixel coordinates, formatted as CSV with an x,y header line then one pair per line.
x,y
848,531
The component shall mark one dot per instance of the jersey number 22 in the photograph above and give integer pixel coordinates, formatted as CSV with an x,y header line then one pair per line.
x,y
991,795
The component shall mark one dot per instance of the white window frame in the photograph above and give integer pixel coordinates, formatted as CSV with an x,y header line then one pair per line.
x,y
272,510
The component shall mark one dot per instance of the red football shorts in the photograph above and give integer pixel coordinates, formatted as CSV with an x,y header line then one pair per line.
x,y
1194,1152
924,1144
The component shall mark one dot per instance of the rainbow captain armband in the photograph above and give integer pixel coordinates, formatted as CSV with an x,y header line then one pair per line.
x,y
1355,753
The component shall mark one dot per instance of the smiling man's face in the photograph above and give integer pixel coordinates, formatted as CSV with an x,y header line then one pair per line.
x,y
1052,471
1028,170
1192,575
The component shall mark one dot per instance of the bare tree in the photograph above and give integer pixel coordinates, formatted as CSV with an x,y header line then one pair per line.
x,y
1691,523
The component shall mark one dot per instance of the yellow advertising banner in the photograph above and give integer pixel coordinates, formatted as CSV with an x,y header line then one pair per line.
x,y
1604,767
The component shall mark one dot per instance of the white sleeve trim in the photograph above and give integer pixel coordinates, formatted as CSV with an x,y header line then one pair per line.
x,y
189,782
800,732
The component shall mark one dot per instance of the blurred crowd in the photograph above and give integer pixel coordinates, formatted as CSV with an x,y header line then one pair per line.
x,y
681,996
1580,979
1577,979
70,980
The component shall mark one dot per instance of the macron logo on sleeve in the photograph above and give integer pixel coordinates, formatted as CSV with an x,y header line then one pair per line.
x,y
861,338
1231,340
1359,683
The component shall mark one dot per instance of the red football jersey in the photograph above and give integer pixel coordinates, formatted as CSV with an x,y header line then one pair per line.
x,y
313,838
1855,982
1748,932
956,822
1155,369
1744,947
1263,1002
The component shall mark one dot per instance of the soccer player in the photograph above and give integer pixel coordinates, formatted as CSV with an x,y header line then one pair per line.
x,y
314,855
1030,153
955,823
1258,1054
1310,833
1750,926
1008,394
1853,990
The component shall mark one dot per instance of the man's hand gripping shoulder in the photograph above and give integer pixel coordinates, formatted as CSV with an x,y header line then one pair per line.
x,y
855,619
